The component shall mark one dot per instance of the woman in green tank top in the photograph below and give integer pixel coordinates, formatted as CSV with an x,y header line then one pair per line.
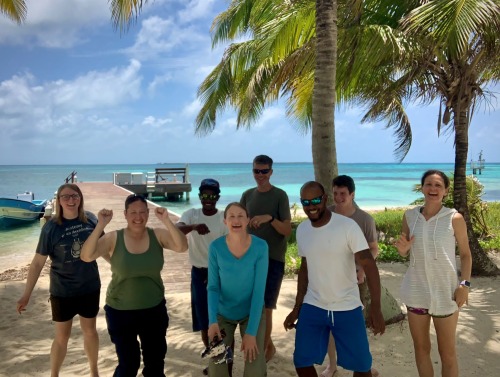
x,y
136,311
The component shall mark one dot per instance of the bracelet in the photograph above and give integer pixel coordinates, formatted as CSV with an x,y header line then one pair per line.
x,y
272,219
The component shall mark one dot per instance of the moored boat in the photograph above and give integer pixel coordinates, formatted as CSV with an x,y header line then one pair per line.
x,y
23,210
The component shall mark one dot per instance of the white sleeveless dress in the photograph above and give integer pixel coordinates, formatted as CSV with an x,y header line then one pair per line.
x,y
431,278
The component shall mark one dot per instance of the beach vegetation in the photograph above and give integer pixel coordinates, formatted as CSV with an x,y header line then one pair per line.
x,y
447,52
388,223
16,10
409,51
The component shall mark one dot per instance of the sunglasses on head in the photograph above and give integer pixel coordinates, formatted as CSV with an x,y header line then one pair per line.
x,y
314,201
261,171
208,196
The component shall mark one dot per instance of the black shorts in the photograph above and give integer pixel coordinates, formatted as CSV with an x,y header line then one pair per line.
x,y
275,273
65,308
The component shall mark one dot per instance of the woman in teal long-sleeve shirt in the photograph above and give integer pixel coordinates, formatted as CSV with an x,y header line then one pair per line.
x,y
237,272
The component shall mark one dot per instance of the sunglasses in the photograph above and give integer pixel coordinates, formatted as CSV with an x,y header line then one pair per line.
x,y
309,202
261,171
208,196
66,197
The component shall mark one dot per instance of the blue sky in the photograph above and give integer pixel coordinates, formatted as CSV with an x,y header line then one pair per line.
x,y
75,91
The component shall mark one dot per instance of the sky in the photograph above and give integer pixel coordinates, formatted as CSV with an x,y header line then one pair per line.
x,y
73,90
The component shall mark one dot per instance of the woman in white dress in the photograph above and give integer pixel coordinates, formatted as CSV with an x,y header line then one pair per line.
x,y
431,287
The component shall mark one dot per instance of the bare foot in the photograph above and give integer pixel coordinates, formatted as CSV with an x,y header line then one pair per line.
x,y
375,373
328,372
270,352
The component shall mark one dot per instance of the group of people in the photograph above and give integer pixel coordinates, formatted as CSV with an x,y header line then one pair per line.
x,y
238,263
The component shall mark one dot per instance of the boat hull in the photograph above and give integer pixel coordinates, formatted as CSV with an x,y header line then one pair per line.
x,y
14,212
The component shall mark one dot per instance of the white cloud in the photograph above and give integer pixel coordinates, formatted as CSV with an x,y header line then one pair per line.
x,y
163,36
55,23
29,109
195,10
151,121
158,81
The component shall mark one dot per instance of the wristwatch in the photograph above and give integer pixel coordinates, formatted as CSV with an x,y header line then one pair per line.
x,y
465,283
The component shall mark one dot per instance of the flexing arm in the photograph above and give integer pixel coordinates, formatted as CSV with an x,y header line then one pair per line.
x,y
33,274
96,246
171,238
302,283
375,318
460,229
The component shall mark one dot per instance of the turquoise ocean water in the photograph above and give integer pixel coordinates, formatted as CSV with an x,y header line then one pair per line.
x,y
377,186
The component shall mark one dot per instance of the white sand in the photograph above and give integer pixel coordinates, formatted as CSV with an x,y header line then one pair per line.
x,y
25,339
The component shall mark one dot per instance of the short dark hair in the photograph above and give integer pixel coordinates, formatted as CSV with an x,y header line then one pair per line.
x,y
262,159
313,184
344,181
437,172
134,198
235,204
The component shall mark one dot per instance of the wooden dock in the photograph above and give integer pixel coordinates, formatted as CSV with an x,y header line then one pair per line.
x,y
97,195
164,183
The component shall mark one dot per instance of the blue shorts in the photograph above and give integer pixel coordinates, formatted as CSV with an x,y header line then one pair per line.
x,y
199,303
275,273
348,328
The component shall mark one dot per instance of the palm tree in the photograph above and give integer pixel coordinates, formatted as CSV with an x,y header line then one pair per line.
x,y
14,9
451,50
376,56
278,61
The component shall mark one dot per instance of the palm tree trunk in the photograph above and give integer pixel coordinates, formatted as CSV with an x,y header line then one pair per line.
x,y
481,263
323,102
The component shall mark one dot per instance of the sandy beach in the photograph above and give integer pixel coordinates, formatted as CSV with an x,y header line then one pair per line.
x,y
26,338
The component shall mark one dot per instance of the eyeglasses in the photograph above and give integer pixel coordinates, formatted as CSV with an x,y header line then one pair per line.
x,y
261,171
208,196
67,197
314,201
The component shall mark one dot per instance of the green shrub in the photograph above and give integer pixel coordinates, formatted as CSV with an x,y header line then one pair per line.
x,y
389,222
389,253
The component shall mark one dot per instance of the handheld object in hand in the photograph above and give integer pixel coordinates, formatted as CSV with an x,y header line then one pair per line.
x,y
218,351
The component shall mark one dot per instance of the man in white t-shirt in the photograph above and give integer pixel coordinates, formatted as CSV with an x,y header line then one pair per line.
x,y
202,226
327,298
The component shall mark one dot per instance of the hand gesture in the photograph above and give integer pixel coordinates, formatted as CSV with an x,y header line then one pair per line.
x,y
403,244
376,320
22,303
104,216
257,221
201,229
161,213
291,319
461,296
214,330
249,347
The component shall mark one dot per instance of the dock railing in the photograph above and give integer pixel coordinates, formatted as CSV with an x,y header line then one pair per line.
x,y
71,178
172,175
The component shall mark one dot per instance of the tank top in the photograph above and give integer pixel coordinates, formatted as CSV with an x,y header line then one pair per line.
x,y
136,281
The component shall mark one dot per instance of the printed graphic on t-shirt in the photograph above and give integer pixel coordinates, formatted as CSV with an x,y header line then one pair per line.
x,y
70,244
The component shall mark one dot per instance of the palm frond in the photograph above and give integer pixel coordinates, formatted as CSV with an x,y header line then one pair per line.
x,y
16,10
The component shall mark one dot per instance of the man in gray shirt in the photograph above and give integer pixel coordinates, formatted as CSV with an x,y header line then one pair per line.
x,y
270,219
